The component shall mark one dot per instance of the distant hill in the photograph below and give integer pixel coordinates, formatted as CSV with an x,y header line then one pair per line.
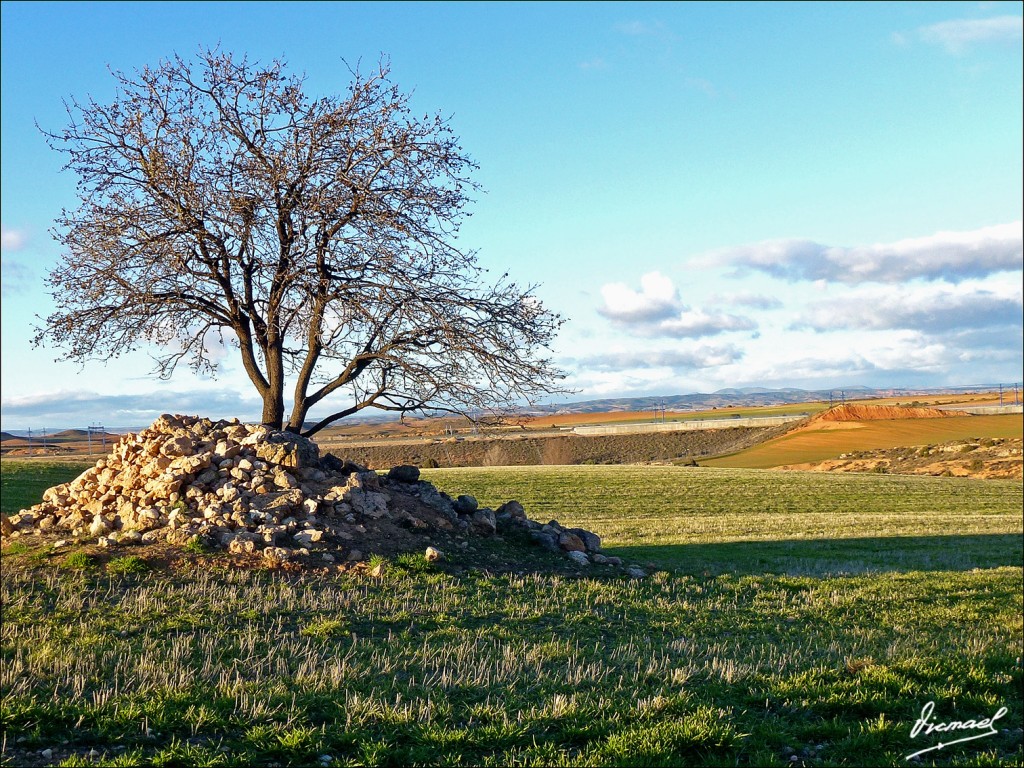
x,y
746,397
64,436
699,401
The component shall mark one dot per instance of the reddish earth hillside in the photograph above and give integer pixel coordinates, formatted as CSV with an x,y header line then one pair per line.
x,y
879,412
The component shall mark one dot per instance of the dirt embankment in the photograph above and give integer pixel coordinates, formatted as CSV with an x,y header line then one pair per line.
x,y
984,458
880,412
568,449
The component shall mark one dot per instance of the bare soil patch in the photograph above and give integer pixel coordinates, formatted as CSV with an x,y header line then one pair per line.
x,y
819,441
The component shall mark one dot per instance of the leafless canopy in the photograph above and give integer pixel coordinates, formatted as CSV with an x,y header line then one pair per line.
x,y
221,203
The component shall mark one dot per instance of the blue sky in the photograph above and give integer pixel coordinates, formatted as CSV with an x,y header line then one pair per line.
x,y
715,195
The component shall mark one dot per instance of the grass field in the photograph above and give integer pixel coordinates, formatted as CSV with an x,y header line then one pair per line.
x,y
22,481
800,619
747,521
828,440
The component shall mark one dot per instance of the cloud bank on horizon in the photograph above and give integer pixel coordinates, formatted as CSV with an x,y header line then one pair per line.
x,y
887,309
950,256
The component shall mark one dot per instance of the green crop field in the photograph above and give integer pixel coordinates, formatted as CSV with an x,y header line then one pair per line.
x,y
22,481
728,520
797,619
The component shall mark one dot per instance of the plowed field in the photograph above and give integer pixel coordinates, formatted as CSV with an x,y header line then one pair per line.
x,y
822,440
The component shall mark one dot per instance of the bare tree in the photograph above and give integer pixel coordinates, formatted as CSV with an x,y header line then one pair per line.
x,y
219,203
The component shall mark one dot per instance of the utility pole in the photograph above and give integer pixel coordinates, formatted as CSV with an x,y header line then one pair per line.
x,y
95,428
102,433
1000,395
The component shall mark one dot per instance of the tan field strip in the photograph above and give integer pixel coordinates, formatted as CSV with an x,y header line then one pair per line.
x,y
827,440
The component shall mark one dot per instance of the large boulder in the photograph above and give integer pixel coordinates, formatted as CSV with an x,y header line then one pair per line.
x,y
277,503
466,504
285,449
570,542
590,539
404,473
483,521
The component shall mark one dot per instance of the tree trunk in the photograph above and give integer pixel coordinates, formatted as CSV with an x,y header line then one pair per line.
x,y
273,406
298,416
273,398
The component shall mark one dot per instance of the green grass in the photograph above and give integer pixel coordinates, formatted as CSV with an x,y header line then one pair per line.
x,y
127,564
23,481
800,616
78,561
795,409
752,521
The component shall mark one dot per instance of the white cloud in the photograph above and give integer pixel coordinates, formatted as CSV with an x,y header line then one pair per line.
x,y
952,256
14,277
657,310
748,299
702,356
12,239
696,323
75,408
220,345
619,384
876,358
657,299
932,309
957,35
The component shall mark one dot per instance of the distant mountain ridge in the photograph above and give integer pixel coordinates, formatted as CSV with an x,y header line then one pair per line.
x,y
744,397
722,398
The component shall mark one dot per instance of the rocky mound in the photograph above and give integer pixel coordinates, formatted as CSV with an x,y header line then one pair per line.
x,y
251,491
880,412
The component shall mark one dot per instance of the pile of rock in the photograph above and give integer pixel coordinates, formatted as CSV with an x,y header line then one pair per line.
x,y
248,489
